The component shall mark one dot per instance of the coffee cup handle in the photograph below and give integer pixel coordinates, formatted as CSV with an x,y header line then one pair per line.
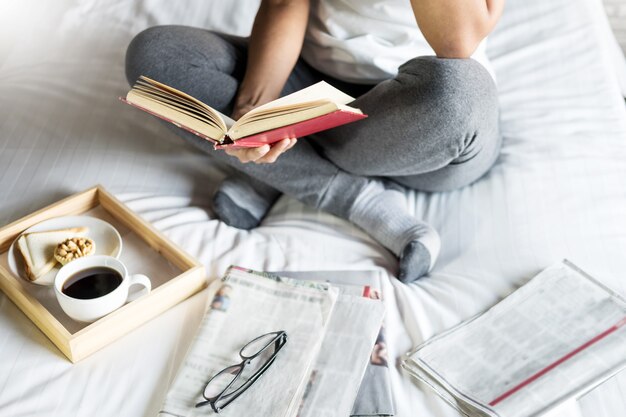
x,y
138,279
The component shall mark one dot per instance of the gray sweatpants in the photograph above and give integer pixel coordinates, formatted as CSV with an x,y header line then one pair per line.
x,y
434,127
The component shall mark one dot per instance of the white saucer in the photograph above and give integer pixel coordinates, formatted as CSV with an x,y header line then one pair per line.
x,y
108,242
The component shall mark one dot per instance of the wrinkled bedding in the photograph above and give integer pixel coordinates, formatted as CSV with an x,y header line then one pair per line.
x,y
558,190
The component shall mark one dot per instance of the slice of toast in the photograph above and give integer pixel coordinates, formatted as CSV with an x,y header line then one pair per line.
x,y
37,249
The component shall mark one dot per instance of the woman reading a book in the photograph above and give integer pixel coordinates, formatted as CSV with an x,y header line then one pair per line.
x,y
417,68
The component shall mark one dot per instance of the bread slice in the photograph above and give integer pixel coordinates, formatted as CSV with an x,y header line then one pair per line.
x,y
37,249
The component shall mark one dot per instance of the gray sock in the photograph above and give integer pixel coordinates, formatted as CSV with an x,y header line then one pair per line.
x,y
242,201
383,214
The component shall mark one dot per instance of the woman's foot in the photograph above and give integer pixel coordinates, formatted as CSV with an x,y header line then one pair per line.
x,y
242,201
383,214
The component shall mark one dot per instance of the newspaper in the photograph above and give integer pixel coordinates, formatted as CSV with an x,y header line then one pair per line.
x,y
553,339
374,396
345,353
247,305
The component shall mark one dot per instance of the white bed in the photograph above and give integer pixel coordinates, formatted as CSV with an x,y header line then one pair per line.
x,y
558,190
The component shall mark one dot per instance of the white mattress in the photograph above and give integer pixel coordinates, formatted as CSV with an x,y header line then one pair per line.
x,y
558,190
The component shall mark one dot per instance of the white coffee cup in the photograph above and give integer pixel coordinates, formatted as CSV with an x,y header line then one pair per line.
x,y
89,310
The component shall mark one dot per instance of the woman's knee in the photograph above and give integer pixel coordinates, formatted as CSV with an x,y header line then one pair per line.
x,y
167,49
460,89
437,110
463,103
142,51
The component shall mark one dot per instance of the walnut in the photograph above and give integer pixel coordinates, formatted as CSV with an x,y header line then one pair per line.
x,y
74,248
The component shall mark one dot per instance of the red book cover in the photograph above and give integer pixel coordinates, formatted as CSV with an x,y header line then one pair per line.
x,y
296,130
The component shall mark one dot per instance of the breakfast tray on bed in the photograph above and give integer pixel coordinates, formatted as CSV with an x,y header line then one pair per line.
x,y
174,274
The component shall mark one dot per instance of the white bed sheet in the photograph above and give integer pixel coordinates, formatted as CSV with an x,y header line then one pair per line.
x,y
558,190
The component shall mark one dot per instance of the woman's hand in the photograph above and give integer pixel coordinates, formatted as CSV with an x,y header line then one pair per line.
x,y
265,154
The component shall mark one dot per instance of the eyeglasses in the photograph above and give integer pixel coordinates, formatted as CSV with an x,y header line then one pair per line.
x,y
232,381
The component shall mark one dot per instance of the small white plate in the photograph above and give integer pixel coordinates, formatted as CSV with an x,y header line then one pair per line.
x,y
108,242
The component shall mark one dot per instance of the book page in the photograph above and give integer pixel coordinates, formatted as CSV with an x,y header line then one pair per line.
x,y
243,129
279,111
316,92
184,96
177,103
175,106
554,338
229,122
317,100
246,305
174,115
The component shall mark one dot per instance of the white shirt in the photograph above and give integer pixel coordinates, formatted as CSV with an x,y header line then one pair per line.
x,y
365,41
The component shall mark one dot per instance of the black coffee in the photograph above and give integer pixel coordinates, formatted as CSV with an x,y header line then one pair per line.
x,y
92,283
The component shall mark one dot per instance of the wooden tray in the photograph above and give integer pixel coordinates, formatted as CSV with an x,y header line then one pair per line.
x,y
174,274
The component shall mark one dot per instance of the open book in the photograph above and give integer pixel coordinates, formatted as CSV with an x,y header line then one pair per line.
x,y
553,339
310,110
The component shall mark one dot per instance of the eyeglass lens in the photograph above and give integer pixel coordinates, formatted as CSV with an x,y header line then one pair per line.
x,y
259,344
220,381
258,354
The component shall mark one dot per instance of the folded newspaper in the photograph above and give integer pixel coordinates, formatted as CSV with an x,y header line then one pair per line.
x,y
555,338
246,304
374,396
